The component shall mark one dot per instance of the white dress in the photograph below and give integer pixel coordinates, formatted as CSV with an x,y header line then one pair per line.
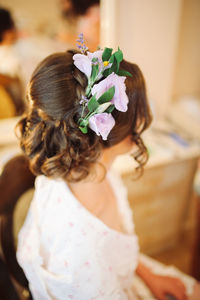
x,y
68,253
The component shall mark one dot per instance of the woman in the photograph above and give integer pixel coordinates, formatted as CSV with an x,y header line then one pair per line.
x,y
78,240
11,90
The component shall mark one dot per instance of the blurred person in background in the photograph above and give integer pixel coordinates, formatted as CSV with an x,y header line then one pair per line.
x,y
9,63
80,16
10,83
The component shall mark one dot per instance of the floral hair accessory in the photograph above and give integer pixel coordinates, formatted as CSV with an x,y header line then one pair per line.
x,y
105,91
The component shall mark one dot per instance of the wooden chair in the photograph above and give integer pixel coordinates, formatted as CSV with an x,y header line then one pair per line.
x,y
196,255
13,88
7,107
15,179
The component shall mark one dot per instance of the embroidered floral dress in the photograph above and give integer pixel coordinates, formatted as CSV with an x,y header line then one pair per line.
x,y
68,253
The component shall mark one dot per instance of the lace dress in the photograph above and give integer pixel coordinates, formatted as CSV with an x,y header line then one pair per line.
x,y
68,253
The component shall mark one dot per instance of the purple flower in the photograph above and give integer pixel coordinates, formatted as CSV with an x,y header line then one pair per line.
x,y
81,39
83,63
102,124
79,46
80,35
96,54
82,46
84,100
120,99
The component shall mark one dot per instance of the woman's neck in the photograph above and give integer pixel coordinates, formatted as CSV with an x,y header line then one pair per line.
x,y
100,200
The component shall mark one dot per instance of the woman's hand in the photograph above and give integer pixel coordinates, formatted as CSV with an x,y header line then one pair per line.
x,y
162,286
196,292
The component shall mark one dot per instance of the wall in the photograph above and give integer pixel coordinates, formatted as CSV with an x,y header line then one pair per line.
x,y
34,15
162,37
187,69
147,31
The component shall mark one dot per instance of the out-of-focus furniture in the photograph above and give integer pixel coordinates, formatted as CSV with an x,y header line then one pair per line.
x,y
13,182
8,141
160,201
7,108
196,256
161,198
11,97
15,179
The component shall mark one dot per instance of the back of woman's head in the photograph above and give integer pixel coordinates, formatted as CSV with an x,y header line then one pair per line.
x,y
76,8
49,131
6,22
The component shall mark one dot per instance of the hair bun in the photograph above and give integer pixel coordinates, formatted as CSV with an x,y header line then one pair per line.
x,y
58,149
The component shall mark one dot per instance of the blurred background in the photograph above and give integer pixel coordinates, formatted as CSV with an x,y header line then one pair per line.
x,y
163,38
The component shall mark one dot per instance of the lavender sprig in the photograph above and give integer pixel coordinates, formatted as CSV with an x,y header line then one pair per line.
x,y
81,44
84,102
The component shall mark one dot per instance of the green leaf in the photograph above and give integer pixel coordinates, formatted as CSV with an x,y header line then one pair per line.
x,y
83,129
111,59
95,70
106,72
83,122
92,104
95,59
107,96
110,108
106,54
115,66
124,73
118,55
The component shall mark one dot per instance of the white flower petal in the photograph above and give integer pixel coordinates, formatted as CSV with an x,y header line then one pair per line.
x,y
120,99
102,124
83,63
103,107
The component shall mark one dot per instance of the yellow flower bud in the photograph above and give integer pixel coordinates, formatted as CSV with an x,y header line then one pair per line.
x,y
105,63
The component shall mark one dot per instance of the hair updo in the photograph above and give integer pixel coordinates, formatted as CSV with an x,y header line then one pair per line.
x,y
49,133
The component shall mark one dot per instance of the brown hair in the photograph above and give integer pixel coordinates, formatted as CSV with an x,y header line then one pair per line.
x,y
49,133
76,8
6,22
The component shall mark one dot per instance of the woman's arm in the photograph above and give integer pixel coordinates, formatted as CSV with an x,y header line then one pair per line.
x,y
161,286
